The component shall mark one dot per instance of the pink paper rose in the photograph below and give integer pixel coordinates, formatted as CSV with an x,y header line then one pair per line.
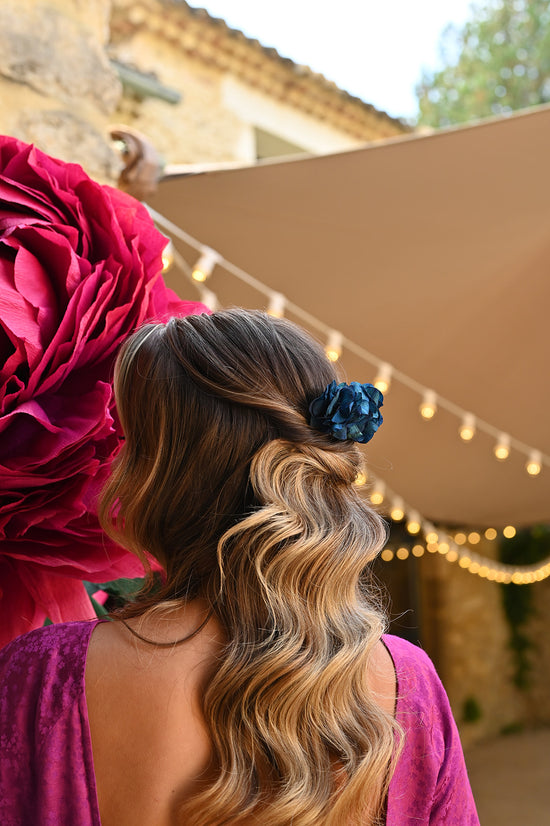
x,y
80,268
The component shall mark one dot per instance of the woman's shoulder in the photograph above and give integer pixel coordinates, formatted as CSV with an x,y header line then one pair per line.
x,y
430,783
404,651
45,661
419,687
49,640
411,662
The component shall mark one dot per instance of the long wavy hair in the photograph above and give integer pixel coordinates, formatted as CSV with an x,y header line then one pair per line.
x,y
223,481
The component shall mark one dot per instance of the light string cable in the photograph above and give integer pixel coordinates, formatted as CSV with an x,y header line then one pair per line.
x,y
438,540
431,401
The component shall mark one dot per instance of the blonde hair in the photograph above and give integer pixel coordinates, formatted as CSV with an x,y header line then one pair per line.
x,y
223,480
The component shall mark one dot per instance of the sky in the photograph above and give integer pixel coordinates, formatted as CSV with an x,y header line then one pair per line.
x,y
374,49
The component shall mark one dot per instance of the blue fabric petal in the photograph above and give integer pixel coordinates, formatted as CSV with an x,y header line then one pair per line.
x,y
348,411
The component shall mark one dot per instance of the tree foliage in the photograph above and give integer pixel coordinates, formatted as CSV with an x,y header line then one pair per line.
x,y
498,62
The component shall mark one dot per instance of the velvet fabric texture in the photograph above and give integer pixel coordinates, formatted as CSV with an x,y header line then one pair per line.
x,y
46,763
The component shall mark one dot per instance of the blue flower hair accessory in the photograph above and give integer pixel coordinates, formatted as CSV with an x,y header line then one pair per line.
x,y
348,411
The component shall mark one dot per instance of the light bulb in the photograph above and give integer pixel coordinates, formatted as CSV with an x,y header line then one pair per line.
x,y
418,551
397,512
428,408
490,534
377,496
360,479
413,523
276,306
383,378
473,538
467,429
534,463
402,553
204,266
502,447
167,256
509,531
387,554
333,347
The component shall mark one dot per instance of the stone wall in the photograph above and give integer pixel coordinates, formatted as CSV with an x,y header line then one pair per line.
x,y
229,86
200,129
467,634
57,88
538,695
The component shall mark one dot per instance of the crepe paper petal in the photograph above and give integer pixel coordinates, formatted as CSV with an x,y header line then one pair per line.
x,y
80,269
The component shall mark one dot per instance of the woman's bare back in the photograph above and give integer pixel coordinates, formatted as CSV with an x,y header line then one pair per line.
x,y
150,744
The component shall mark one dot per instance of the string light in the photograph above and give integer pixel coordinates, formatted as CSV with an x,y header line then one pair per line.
x,y
167,256
377,495
502,447
383,378
534,463
471,562
205,265
398,509
360,479
276,307
413,523
209,258
467,429
428,407
333,348
438,541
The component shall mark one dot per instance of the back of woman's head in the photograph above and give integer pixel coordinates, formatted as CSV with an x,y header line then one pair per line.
x,y
197,398
223,479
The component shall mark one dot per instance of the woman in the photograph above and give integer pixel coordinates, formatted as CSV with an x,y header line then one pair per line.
x,y
253,686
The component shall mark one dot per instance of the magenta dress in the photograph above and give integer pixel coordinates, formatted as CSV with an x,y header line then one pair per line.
x,y
46,765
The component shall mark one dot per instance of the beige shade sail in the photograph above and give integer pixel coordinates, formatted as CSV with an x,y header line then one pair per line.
x,y
433,254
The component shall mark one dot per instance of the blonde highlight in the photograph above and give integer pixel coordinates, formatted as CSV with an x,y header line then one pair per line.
x,y
282,557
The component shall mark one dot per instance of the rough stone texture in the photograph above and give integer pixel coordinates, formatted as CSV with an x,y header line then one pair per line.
x,y
77,70
71,138
200,129
57,88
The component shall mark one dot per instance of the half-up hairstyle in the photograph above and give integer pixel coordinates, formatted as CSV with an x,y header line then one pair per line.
x,y
223,480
